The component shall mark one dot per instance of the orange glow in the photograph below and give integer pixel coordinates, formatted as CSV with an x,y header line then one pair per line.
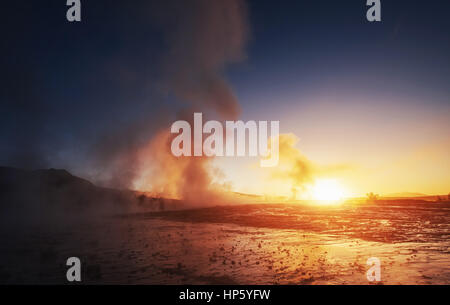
x,y
327,190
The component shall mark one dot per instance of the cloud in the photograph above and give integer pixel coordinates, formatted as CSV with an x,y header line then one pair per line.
x,y
295,168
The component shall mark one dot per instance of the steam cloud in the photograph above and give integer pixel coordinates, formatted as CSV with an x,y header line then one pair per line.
x,y
202,38
100,121
295,168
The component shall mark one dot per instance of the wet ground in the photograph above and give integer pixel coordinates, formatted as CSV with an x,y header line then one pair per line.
x,y
250,244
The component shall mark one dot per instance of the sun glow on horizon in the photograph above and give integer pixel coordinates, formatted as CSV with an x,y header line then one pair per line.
x,y
327,190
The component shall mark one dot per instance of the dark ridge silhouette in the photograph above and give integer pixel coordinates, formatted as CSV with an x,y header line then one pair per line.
x,y
47,190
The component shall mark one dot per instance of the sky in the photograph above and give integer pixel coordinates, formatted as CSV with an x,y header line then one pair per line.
x,y
372,99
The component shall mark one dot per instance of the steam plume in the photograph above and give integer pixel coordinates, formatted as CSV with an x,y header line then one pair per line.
x,y
295,168
203,36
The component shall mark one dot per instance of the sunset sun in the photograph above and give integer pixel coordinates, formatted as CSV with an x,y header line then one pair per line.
x,y
327,190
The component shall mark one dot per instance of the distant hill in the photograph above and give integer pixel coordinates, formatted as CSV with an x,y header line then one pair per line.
x,y
416,196
405,195
50,189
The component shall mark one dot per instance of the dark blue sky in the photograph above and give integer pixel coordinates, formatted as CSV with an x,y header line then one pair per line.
x,y
66,87
301,45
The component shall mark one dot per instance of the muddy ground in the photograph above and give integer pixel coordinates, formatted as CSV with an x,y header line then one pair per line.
x,y
250,244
